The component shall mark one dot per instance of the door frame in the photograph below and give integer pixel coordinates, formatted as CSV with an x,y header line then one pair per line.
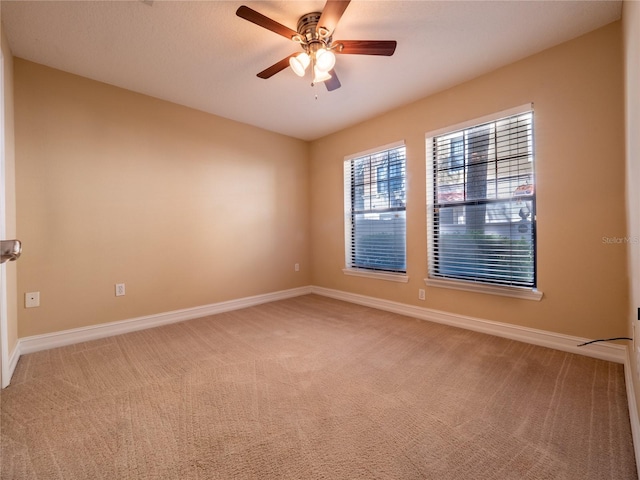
x,y
5,374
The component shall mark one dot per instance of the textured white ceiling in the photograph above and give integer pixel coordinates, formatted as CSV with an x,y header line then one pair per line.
x,y
200,54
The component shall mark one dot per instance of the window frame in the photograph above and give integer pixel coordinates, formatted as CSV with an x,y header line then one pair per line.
x,y
442,281
350,267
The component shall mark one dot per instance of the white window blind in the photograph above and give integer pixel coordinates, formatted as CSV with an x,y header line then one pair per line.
x,y
375,212
481,203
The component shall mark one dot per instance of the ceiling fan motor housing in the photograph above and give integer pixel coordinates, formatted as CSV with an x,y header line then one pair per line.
x,y
312,37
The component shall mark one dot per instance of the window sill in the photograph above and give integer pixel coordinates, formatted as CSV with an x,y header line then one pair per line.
x,y
515,292
391,277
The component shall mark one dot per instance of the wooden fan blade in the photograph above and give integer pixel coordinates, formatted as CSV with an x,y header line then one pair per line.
x,y
265,22
332,13
275,68
366,47
333,83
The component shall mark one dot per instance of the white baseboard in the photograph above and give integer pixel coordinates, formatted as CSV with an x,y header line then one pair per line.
x,y
604,351
11,365
77,335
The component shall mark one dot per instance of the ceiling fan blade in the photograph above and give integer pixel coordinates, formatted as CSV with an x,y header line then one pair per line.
x,y
331,13
366,47
275,68
333,83
265,22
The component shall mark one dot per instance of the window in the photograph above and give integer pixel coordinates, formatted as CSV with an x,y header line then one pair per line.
x,y
375,217
481,202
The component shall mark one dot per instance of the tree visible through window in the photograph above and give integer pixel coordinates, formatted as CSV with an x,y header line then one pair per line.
x,y
482,203
375,199
456,160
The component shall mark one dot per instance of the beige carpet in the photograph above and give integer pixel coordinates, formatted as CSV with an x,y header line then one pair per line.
x,y
313,388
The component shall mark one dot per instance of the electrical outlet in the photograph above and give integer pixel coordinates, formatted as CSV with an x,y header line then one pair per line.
x,y
296,267
120,289
32,299
421,294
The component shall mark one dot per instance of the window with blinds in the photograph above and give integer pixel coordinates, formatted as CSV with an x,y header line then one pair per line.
x,y
481,203
375,216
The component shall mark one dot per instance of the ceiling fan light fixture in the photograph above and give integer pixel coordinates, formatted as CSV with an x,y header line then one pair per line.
x,y
325,60
314,34
299,63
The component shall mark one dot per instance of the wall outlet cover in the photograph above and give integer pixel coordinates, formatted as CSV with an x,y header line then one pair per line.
x,y
32,299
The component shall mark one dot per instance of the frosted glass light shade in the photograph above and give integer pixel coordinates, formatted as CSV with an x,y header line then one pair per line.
x,y
325,60
319,75
299,63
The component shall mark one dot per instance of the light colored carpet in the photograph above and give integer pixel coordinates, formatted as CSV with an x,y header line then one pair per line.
x,y
314,388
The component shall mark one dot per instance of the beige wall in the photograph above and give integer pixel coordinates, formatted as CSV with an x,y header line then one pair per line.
x,y
631,19
577,93
185,208
10,196
189,209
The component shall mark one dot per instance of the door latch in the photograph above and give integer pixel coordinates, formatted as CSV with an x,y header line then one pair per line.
x,y
10,250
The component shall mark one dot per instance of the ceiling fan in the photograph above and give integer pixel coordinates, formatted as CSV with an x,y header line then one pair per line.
x,y
315,36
